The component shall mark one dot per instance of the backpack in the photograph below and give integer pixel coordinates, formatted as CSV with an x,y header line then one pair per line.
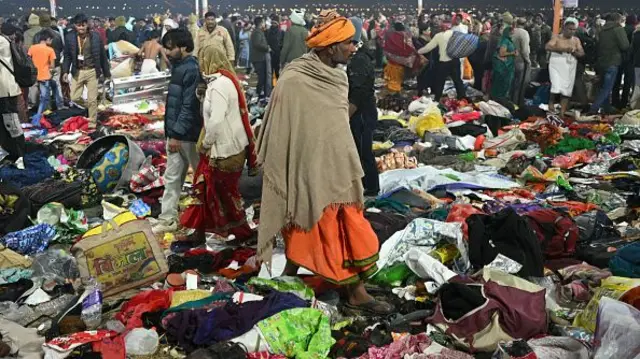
x,y
557,233
24,72
462,45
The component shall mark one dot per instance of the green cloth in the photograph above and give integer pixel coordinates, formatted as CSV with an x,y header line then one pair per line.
x,y
388,204
503,71
301,333
570,144
292,285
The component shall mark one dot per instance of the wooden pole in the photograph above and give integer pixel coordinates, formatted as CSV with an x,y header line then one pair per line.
x,y
557,16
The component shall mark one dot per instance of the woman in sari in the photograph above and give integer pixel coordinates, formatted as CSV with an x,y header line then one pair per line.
x,y
226,143
400,53
503,65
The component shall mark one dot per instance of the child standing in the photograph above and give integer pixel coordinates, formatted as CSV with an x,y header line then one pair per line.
x,y
43,57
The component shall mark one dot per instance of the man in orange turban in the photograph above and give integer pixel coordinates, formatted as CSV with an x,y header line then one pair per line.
x,y
331,29
315,201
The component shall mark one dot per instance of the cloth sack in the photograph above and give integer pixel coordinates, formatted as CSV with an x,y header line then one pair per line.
x,y
493,108
631,118
479,316
462,45
96,151
121,254
107,172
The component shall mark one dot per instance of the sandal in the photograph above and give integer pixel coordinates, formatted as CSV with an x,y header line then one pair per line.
x,y
373,307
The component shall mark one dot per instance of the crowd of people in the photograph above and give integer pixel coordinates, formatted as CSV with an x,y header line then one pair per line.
x,y
314,146
205,53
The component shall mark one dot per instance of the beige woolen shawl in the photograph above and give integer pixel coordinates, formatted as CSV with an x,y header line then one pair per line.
x,y
307,151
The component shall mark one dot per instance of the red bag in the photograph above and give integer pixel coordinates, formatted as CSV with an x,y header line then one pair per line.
x,y
558,233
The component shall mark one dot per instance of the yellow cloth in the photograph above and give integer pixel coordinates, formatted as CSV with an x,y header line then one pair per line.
x,y
330,32
213,59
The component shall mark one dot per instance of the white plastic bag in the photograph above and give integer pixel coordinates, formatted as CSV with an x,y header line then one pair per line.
x,y
617,330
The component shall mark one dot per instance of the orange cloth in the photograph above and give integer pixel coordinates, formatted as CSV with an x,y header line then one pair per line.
x,y
467,74
331,32
342,247
394,75
43,57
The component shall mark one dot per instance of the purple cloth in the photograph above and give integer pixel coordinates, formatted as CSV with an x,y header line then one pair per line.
x,y
201,327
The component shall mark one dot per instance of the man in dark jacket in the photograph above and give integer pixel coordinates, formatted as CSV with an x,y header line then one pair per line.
x,y
362,109
274,37
182,123
86,60
612,44
227,24
58,48
121,32
625,71
258,56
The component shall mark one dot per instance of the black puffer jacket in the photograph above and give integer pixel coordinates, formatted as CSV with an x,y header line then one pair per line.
x,y
182,120
99,54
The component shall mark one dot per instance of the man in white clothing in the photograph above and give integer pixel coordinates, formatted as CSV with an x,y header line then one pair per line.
x,y
446,67
564,49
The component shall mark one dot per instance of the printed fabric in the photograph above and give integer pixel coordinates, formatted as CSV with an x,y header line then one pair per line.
x,y
301,333
30,240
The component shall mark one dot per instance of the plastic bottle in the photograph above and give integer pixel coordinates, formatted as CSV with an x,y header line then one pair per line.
x,y
92,306
141,341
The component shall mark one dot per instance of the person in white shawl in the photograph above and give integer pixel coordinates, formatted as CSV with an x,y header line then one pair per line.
x,y
167,25
565,50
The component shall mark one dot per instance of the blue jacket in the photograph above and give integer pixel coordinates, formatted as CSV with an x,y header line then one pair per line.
x,y
182,119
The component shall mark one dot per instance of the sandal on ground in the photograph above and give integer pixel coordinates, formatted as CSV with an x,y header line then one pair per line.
x,y
373,307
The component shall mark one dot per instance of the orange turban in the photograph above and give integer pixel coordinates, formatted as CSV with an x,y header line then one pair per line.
x,y
331,29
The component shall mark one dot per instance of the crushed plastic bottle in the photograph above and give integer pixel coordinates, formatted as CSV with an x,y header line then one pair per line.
x,y
141,341
92,305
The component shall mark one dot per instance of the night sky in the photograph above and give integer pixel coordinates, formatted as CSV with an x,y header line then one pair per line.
x,y
135,7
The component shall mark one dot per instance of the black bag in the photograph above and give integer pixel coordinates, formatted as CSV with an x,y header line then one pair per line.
x,y
508,234
599,239
24,72
386,224
54,190
14,216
